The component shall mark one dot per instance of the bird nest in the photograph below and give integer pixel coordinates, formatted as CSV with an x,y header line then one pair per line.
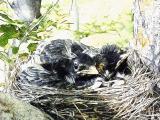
x,y
137,97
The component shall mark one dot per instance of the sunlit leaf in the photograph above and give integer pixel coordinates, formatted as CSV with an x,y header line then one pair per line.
x,y
32,47
9,32
23,56
4,40
5,17
5,58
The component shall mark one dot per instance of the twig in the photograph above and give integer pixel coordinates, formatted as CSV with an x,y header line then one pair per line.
x,y
32,26
79,111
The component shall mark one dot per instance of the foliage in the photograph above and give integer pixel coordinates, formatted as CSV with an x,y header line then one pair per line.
x,y
57,19
122,26
4,57
21,32
11,30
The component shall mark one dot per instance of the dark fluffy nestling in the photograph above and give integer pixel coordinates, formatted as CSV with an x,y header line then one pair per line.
x,y
60,62
107,61
55,66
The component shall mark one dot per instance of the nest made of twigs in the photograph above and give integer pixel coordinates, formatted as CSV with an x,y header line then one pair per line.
x,y
137,99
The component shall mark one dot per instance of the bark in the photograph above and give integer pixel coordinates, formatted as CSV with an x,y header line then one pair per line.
x,y
26,10
147,32
74,14
13,109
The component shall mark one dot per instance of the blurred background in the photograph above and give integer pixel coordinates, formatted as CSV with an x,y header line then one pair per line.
x,y
97,22
100,22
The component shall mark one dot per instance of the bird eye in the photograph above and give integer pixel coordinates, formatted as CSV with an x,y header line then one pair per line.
x,y
76,65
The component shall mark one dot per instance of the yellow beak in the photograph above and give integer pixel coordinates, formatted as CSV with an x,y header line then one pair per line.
x,y
91,71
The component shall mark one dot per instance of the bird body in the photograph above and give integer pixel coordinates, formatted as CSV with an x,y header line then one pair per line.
x,y
60,62
50,65
37,75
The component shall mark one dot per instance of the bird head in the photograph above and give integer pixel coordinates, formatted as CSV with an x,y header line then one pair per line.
x,y
84,65
101,63
107,60
64,67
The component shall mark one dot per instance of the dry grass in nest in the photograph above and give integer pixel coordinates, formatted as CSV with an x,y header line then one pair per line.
x,y
136,99
67,104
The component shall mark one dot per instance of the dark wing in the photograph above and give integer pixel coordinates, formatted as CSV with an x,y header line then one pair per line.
x,y
36,75
56,49
78,48
49,51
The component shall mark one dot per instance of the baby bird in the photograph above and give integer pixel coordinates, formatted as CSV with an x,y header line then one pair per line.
x,y
52,65
107,62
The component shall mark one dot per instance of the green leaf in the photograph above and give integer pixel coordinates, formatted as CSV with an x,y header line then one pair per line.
x,y
23,56
9,32
4,40
15,50
8,28
4,16
4,57
32,47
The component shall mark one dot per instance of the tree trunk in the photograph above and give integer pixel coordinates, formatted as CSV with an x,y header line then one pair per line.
x,y
26,10
147,32
74,16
